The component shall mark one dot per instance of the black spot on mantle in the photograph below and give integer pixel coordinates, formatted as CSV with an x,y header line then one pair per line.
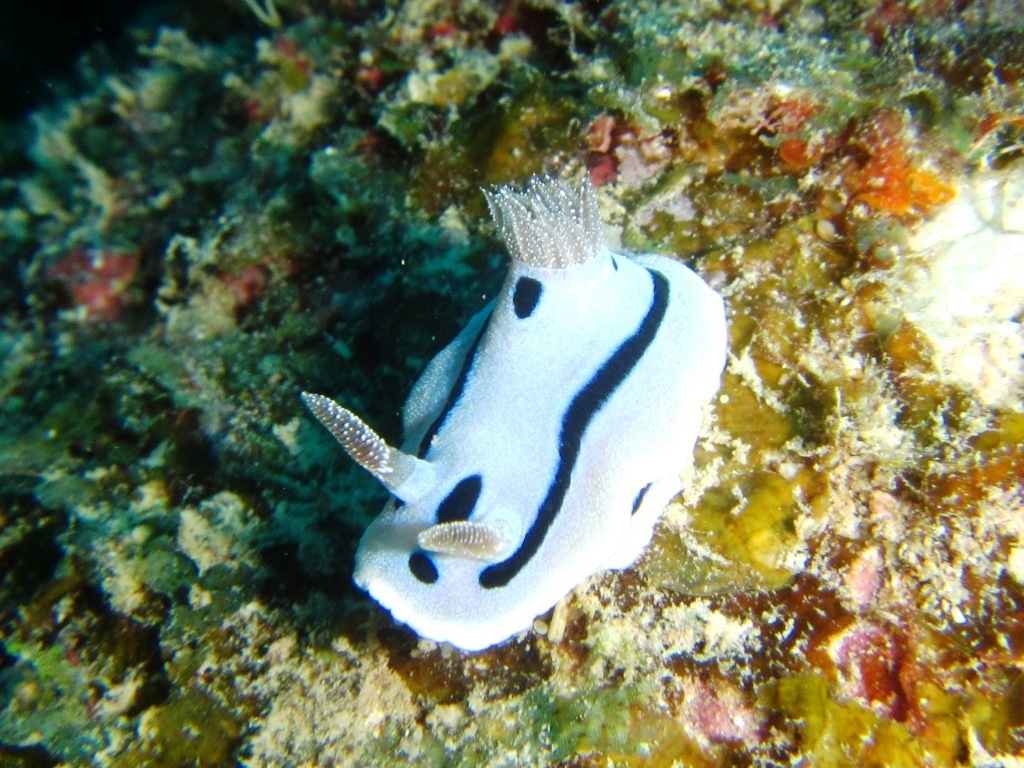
x,y
525,296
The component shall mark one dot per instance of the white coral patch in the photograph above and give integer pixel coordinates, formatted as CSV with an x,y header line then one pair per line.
x,y
217,532
965,287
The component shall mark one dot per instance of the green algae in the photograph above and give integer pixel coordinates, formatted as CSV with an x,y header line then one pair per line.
x,y
49,698
618,725
189,728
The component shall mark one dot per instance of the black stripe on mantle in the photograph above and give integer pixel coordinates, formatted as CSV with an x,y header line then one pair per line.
x,y
586,403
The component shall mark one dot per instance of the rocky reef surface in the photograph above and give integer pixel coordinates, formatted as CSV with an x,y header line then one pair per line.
x,y
271,196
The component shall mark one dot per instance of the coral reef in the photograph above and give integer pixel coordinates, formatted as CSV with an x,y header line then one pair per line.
x,y
270,197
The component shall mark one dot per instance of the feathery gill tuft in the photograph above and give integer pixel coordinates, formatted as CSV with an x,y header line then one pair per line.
x,y
551,224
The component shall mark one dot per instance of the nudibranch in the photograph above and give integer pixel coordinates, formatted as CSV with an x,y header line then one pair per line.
x,y
542,444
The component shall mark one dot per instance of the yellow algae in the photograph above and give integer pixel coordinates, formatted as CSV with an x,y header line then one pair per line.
x,y
747,417
684,558
892,746
497,151
763,531
995,712
831,735
724,211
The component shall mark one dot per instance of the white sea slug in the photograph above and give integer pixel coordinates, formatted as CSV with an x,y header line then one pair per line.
x,y
542,444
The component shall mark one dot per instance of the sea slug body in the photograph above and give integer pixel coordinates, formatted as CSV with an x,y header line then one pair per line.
x,y
542,444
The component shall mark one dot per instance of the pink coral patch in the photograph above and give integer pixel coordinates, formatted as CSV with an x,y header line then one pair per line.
x,y
868,658
96,281
249,285
718,712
